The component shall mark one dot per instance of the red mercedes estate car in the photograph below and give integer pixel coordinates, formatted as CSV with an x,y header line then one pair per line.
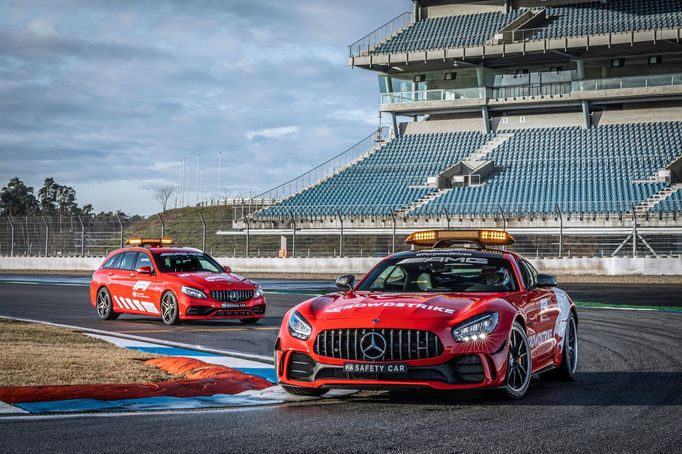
x,y
440,318
172,283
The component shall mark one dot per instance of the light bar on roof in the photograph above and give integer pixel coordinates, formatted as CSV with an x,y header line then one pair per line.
x,y
432,238
148,242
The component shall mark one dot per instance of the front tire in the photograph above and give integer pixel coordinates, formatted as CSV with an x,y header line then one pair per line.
x,y
104,306
519,365
297,391
170,311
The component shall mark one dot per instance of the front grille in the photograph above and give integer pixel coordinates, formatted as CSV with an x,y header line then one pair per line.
x,y
232,314
401,344
231,296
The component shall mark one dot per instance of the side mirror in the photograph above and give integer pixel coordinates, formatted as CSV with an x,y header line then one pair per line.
x,y
144,270
546,280
227,269
345,282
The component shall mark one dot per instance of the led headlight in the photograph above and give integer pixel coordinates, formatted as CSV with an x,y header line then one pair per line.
x,y
299,327
259,292
193,292
476,328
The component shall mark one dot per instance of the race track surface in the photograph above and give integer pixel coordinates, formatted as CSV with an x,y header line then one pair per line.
x,y
627,398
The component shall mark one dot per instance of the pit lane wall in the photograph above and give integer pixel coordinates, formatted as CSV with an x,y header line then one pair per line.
x,y
608,266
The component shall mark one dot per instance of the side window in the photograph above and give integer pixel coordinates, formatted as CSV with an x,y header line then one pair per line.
x,y
113,261
528,273
128,262
143,260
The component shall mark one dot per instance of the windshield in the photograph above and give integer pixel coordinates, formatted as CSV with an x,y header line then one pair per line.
x,y
186,262
444,273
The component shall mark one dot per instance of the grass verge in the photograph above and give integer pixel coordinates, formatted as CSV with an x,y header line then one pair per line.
x,y
588,305
35,354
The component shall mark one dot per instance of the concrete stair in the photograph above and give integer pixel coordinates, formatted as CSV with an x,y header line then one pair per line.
x,y
657,198
423,201
489,147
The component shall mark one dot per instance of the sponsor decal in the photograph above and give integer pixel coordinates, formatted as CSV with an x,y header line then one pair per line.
x,y
141,285
218,277
443,253
538,338
425,307
445,260
180,254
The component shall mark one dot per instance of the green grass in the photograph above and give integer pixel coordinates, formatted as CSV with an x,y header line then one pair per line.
x,y
589,304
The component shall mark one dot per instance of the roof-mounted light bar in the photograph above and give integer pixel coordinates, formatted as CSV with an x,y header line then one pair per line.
x,y
148,242
445,238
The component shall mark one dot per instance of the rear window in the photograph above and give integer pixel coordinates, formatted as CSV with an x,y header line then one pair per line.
x,y
113,261
441,273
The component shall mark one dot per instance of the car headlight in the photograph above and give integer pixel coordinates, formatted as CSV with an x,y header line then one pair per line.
x,y
476,328
259,292
193,292
299,326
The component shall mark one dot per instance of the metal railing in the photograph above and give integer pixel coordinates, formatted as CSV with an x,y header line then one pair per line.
x,y
365,44
322,171
368,43
619,83
513,91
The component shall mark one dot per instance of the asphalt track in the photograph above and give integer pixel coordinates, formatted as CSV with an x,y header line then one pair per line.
x,y
627,398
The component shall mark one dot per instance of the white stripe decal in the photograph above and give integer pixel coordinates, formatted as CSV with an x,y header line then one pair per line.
x,y
133,305
121,303
149,307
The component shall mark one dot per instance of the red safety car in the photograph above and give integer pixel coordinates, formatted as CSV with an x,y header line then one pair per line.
x,y
172,283
442,318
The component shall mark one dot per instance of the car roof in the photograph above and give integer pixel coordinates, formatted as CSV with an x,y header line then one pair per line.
x,y
461,252
158,250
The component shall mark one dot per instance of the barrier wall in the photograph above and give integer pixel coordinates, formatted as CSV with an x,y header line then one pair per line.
x,y
610,266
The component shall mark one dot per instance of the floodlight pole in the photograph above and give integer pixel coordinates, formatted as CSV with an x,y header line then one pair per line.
x,y
248,234
293,234
47,233
338,214
11,226
561,230
634,232
203,231
393,236
82,236
163,227
120,227
447,217
504,218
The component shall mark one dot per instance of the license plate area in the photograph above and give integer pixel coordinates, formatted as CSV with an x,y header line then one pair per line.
x,y
232,305
376,368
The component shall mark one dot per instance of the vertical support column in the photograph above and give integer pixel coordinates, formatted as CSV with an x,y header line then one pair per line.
x,y
203,231
293,234
586,114
486,119
82,236
47,234
480,76
120,231
394,120
634,232
582,74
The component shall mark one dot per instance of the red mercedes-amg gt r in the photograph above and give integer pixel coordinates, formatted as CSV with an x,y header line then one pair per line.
x,y
173,283
440,318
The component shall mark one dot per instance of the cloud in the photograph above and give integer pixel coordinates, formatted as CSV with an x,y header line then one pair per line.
x,y
272,133
113,95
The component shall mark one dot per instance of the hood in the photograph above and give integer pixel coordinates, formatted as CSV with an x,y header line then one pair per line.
x,y
215,281
368,306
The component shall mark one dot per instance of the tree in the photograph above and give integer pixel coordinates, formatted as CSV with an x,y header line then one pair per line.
x,y
17,199
162,195
47,196
87,210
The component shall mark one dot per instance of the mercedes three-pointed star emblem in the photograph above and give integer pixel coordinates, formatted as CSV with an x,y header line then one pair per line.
x,y
373,345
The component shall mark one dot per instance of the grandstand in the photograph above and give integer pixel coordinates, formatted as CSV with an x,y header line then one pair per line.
x,y
524,114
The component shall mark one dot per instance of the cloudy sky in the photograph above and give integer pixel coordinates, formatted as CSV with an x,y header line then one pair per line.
x,y
109,96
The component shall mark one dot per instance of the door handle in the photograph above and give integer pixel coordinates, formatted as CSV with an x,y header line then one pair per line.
x,y
110,273
132,274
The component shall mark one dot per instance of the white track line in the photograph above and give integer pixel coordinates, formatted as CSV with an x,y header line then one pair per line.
x,y
259,358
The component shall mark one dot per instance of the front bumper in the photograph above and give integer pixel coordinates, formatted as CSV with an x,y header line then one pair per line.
x,y
449,371
209,309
